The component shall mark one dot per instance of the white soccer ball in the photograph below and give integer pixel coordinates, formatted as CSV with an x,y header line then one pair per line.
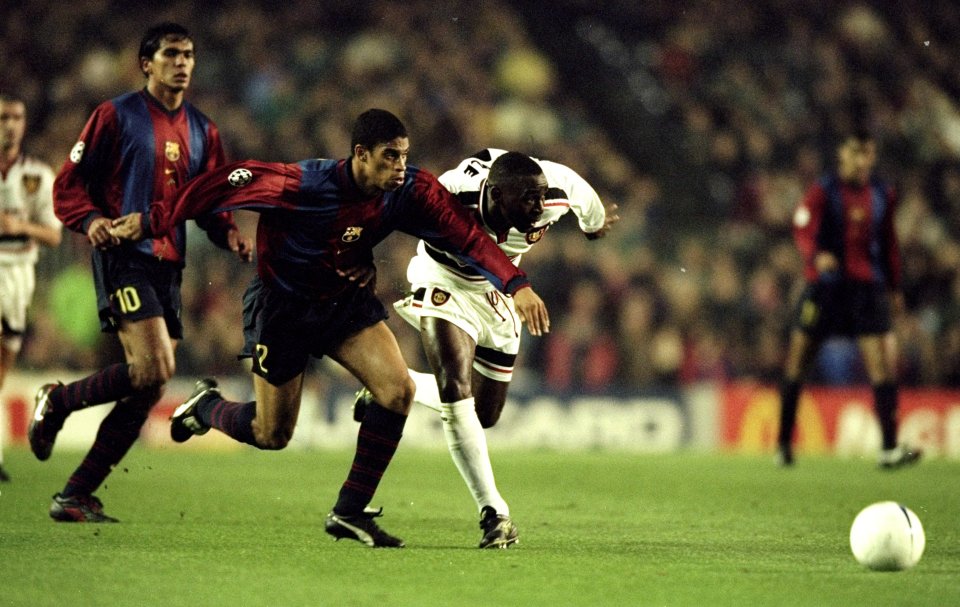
x,y
887,536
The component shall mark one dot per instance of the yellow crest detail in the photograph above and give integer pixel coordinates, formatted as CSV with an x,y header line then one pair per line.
x,y
535,235
171,150
351,234
439,297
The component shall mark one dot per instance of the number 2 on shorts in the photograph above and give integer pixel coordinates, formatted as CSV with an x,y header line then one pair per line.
x,y
261,351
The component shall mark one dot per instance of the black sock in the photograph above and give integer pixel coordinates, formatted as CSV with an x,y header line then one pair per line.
x,y
233,419
789,397
377,441
118,431
885,403
105,386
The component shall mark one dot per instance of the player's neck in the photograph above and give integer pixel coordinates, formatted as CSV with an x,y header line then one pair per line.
x,y
170,99
359,179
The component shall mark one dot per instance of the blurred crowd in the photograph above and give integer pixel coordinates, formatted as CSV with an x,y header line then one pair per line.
x,y
751,96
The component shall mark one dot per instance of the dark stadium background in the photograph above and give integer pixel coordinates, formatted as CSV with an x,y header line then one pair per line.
x,y
703,120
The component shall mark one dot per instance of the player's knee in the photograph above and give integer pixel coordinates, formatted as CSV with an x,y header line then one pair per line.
x,y
400,397
273,440
488,419
454,389
153,372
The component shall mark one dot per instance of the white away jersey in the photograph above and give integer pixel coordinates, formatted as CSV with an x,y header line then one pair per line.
x,y
566,191
26,191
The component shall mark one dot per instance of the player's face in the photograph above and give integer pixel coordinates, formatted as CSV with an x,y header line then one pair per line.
x,y
856,160
384,166
521,200
13,122
172,65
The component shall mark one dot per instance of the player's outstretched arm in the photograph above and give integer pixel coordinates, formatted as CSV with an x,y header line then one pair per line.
x,y
532,311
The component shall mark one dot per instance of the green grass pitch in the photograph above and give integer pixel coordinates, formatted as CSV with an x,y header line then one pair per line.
x,y
244,528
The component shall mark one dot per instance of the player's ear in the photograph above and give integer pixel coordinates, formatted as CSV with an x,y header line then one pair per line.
x,y
360,152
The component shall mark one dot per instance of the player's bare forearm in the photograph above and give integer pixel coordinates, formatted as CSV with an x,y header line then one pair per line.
x,y
532,311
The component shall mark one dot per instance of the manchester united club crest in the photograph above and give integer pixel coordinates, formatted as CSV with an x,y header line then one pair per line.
x,y
31,183
535,235
171,150
351,234
439,297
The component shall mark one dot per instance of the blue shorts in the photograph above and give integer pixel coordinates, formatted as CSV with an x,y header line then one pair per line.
x,y
281,331
132,286
844,309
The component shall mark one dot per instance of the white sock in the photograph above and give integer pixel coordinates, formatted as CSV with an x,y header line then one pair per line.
x,y
428,394
467,443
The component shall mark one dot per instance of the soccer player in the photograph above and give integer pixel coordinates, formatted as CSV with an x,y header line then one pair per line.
x,y
135,149
844,230
26,220
314,293
469,332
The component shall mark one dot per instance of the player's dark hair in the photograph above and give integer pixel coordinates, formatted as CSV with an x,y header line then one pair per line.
x,y
376,126
6,97
858,132
510,166
151,41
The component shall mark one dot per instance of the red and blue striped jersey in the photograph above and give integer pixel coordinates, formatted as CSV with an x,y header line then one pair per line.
x,y
134,152
853,222
314,220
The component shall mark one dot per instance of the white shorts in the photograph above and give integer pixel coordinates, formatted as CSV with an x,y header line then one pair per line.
x,y
487,316
17,282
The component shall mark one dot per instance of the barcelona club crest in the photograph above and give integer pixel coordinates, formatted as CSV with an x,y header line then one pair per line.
x,y
351,234
172,151
439,297
535,235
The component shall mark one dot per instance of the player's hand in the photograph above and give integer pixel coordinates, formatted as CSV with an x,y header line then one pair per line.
x,y
240,244
99,233
127,227
532,311
610,218
362,274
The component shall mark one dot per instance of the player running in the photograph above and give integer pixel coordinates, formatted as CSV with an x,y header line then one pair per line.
x,y
470,332
314,293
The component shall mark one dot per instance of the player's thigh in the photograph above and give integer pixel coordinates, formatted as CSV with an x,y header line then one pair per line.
x,y
149,349
373,356
449,350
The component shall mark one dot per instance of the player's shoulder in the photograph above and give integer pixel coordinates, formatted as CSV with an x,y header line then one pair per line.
x,y
197,113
